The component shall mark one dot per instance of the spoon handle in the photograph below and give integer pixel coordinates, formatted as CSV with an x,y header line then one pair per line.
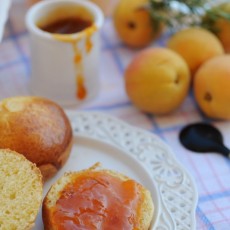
x,y
224,150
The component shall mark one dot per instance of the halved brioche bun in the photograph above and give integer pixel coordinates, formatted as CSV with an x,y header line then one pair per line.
x,y
37,128
142,215
20,191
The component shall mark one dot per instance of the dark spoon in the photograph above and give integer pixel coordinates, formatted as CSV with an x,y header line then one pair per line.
x,y
203,137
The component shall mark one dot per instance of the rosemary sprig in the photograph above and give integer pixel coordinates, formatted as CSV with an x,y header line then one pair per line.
x,y
212,15
176,14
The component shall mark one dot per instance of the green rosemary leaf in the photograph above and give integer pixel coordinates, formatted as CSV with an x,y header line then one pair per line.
x,y
183,13
214,14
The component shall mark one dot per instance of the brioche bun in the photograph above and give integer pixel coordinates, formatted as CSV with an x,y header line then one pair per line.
x,y
109,213
20,191
37,128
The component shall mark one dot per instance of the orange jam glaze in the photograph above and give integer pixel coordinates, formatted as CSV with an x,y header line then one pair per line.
x,y
98,201
81,91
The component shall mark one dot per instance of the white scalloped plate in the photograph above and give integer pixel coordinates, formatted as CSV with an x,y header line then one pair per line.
x,y
141,156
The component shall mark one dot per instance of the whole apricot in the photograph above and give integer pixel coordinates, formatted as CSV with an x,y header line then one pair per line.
x,y
211,87
157,80
195,45
133,23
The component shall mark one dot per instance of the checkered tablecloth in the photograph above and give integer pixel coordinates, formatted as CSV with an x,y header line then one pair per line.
x,y
211,172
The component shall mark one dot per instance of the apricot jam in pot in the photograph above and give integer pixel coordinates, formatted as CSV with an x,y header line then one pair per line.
x,y
74,25
67,25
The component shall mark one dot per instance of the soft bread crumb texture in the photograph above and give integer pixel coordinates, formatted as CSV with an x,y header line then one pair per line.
x,y
20,191
145,213
37,128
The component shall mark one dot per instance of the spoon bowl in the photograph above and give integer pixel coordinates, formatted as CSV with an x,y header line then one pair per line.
x,y
203,138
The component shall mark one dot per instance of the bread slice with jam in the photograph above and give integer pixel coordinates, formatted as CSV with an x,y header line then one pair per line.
x,y
97,199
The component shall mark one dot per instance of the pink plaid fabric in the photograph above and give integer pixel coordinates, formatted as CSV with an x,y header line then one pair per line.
x,y
211,171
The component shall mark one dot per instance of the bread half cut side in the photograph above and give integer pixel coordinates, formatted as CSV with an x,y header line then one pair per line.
x,y
97,199
20,191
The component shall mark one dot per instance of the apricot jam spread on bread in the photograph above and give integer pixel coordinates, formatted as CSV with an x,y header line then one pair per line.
x,y
97,201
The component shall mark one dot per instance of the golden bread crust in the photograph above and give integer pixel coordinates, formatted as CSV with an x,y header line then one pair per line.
x,y
37,128
146,211
21,191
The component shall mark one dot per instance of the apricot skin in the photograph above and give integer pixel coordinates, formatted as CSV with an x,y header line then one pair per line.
x,y
157,80
133,24
211,87
195,45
